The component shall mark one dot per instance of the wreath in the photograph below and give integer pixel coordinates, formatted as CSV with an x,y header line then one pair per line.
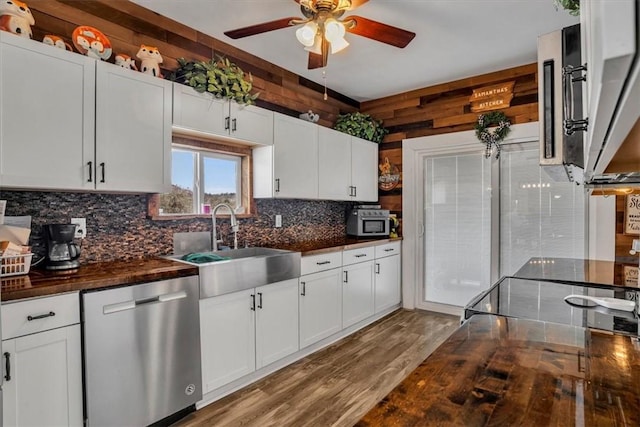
x,y
495,137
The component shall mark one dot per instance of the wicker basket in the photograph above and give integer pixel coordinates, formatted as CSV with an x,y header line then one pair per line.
x,y
15,265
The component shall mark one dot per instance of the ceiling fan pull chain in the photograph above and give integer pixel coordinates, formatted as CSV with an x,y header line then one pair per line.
x,y
324,77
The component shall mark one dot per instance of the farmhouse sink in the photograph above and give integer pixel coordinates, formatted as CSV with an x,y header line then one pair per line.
x,y
245,268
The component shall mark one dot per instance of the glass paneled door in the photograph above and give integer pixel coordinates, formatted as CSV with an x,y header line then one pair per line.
x,y
457,219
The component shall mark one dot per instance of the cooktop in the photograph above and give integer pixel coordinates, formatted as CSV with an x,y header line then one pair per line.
x,y
544,300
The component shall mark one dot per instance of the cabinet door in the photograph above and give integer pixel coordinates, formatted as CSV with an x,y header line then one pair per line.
x,y
227,337
320,306
334,164
200,112
295,158
46,379
250,123
276,321
387,282
133,131
364,169
47,100
357,293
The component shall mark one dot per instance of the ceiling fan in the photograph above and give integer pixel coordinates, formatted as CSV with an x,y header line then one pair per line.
x,y
323,31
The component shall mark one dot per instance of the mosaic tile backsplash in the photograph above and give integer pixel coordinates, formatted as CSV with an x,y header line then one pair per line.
x,y
118,227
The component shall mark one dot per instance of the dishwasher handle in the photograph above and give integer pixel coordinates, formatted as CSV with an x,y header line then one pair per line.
x,y
129,305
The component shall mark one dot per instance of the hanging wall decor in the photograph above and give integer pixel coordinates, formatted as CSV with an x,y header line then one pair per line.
x,y
491,138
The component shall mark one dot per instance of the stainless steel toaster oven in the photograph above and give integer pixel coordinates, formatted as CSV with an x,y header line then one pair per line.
x,y
368,221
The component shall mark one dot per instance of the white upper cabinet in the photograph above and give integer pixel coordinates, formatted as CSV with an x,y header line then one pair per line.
x,y
334,165
47,99
609,45
364,170
202,113
68,122
289,168
133,131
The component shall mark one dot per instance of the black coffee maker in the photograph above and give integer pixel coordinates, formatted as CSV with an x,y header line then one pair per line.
x,y
62,253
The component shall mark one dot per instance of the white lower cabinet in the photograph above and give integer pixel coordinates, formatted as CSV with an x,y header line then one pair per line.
x,y
387,282
41,362
276,321
247,330
357,293
320,305
227,338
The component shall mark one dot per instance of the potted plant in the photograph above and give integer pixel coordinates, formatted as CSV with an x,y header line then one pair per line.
x,y
361,125
573,6
221,78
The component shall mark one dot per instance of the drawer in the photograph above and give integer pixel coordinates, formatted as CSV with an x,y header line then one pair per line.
x,y
388,249
353,256
15,315
314,263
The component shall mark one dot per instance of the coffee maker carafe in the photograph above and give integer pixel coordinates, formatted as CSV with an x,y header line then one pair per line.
x,y
62,253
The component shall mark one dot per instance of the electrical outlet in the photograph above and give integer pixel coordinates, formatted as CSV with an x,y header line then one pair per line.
x,y
81,229
278,221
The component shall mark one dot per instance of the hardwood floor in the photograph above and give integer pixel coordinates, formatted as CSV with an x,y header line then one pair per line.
x,y
337,385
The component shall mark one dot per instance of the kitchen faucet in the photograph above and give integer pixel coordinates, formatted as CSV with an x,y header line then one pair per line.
x,y
234,227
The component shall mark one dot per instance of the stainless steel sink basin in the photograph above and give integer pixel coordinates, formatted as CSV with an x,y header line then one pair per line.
x,y
246,269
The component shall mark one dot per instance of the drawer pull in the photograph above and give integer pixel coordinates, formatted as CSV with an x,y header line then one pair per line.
x,y
41,316
323,262
360,255
388,250
7,366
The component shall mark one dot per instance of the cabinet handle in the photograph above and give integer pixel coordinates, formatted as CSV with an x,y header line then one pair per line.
x,y
388,250
355,191
7,366
253,302
102,169
226,122
323,262
41,316
571,125
90,164
260,303
346,277
304,288
377,268
277,185
360,255
234,125
351,187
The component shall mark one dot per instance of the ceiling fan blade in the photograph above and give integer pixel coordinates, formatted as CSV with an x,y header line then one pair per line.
x,y
261,28
378,31
317,60
357,3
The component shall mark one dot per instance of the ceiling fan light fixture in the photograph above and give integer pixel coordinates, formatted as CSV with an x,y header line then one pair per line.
x,y
307,33
316,47
333,30
338,44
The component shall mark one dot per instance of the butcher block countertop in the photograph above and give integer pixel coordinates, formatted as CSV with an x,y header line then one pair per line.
x,y
92,276
318,247
497,371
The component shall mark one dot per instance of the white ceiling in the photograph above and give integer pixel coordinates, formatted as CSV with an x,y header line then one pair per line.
x,y
455,39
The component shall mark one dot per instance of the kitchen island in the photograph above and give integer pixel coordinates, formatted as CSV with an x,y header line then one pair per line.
x,y
498,371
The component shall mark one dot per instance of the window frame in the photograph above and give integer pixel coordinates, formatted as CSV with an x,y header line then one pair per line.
x,y
213,149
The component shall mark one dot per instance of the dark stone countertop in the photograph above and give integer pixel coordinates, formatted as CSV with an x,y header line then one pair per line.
x,y
575,270
497,371
92,276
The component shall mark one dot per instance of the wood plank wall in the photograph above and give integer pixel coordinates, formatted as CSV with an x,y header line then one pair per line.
x,y
128,25
442,109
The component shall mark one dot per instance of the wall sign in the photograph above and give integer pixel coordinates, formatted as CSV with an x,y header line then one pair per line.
x,y
389,177
494,97
630,276
632,214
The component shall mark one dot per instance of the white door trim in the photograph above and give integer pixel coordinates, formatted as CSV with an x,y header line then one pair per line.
x,y
413,152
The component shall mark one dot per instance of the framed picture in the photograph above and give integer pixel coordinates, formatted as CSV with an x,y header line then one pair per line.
x,y
630,276
632,215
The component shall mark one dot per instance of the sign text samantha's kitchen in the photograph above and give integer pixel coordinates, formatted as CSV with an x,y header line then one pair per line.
x,y
494,97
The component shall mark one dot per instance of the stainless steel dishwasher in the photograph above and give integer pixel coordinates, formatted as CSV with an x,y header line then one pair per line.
x,y
141,352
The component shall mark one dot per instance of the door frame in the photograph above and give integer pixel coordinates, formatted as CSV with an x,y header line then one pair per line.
x,y
414,151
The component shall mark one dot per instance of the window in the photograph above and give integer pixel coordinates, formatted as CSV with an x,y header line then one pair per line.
x,y
202,179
